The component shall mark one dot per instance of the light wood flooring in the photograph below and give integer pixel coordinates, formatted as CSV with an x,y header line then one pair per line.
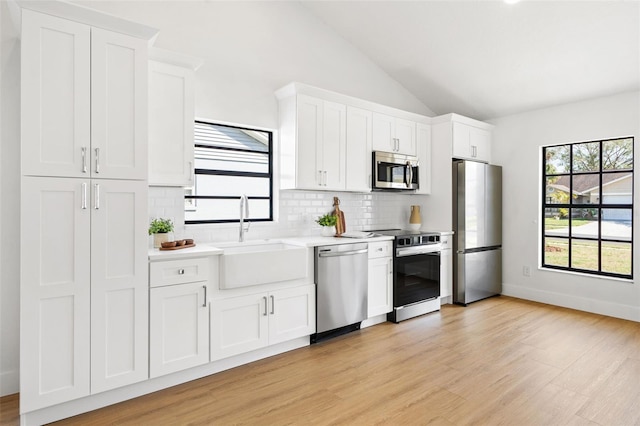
x,y
501,361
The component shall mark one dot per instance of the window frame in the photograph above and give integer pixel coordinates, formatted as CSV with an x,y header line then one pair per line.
x,y
600,206
235,173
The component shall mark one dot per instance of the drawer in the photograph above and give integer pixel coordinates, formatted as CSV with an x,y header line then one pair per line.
x,y
380,249
180,271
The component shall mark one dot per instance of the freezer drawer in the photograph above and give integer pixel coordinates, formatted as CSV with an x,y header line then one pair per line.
x,y
477,275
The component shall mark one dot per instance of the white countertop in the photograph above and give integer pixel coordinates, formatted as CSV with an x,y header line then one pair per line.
x,y
316,241
199,250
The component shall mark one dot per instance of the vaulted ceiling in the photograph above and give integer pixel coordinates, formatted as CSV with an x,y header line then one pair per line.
x,y
487,59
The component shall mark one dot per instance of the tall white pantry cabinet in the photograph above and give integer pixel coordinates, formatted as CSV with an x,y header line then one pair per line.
x,y
84,275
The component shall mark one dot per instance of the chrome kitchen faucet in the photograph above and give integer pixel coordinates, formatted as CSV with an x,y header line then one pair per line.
x,y
244,214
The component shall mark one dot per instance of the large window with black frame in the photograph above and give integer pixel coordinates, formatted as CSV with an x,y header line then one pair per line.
x,y
230,161
587,208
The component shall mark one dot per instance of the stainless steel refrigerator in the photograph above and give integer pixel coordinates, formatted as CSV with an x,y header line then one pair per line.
x,y
477,222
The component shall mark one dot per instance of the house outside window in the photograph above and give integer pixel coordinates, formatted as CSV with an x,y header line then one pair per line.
x,y
230,161
587,207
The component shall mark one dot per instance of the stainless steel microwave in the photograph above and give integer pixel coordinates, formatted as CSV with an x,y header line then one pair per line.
x,y
391,171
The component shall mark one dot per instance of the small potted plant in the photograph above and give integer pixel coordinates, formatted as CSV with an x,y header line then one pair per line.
x,y
328,224
160,229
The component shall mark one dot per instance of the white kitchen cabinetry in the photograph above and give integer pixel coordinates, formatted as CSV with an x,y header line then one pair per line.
x,y
359,148
380,298
179,314
245,323
83,293
179,327
84,290
171,118
392,134
446,269
471,143
84,99
313,143
423,137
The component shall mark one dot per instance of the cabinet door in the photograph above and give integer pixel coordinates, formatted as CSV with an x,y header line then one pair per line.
x,y
461,147
292,313
309,169
446,274
239,325
55,87
333,145
380,299
358,150
118,106
423,142
384,133
119,284
171,115
406,136
54,292
480,144
179,328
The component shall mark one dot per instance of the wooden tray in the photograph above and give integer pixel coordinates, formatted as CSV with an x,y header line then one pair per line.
x,y
178,247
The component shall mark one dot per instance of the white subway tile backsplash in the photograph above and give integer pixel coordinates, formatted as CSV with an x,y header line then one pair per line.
x,y
298,211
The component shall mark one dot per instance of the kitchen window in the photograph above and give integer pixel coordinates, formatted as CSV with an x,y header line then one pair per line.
x,y
587,199
230,161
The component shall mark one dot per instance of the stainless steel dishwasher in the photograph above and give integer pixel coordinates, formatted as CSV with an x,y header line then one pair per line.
x,y
341,284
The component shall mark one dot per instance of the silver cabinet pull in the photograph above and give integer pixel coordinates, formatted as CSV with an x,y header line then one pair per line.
x,y
265,306
319,177
273,305
180,271
84,159
380,249
96,196
84,196
204,304
97,160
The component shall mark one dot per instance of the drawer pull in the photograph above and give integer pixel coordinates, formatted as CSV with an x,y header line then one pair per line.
x,y
204,304
180,271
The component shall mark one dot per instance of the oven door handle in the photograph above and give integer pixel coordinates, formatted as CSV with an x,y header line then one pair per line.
x,y
414,252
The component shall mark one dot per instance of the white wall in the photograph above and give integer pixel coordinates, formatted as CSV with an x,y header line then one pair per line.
x,y
9,198
516,146
249,49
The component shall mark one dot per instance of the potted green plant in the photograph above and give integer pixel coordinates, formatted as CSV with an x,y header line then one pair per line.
x,y
327,223
160,229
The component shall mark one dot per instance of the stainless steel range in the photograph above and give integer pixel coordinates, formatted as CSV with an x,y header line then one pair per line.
x,y
416,273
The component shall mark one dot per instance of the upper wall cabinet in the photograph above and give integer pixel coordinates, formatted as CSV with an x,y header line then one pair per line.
x,y
327,139
392,134
313,137
84,100
469,139
171,117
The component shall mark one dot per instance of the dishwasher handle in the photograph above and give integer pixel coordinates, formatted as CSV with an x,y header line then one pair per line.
x,y
341,253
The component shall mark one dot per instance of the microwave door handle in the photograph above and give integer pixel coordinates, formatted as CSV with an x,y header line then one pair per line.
x,y
410,169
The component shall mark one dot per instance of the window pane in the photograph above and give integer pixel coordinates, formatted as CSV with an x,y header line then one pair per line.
x,y
585,188
557,190
556,252
584,254
616,258
232,186
617,154
557,159
586,157
617,188
226,210
218,159
555,226
616,224
583,226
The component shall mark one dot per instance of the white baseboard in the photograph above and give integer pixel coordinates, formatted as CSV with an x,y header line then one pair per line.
x,y
9,382
616,310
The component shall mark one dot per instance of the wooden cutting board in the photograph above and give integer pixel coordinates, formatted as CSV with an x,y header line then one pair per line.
x,y
341,226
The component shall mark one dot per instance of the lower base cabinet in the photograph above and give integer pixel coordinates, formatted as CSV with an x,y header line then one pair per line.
x,y
245,323
380,300
179,332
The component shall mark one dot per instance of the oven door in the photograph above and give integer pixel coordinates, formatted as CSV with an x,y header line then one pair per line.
x,y
416,278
